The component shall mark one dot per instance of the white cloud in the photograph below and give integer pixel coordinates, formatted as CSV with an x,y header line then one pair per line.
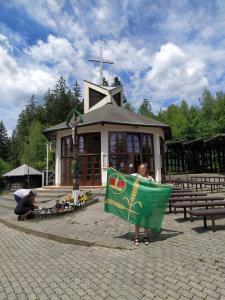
x,y
53,51
175,74
124,54
105,17
19,80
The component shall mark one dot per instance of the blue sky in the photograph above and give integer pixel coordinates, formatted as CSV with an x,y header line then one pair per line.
x,y
162,50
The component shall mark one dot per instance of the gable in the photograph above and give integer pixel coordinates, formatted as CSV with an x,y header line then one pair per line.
x,y
95,97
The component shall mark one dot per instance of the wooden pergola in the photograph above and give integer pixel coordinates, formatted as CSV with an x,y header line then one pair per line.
x,y
196,156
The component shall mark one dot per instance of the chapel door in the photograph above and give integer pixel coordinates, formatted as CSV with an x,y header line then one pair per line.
x,y
90,170
134,151
67,171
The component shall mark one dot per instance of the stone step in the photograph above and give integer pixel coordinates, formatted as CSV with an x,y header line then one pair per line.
x,y
66,190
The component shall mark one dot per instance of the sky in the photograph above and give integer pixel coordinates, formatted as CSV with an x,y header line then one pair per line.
x,y
162,50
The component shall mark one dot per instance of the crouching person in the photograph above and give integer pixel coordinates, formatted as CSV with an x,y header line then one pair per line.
x,y
25,206
20,194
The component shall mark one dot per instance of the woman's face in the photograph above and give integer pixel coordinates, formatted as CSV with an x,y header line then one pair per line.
x,y
142,170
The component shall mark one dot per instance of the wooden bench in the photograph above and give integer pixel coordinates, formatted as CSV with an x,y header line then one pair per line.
x,y
180,190
189,194
208,178
214,185
190,205
211,213
188,183
193,199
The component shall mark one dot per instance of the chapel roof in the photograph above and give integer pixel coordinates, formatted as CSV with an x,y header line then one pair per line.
x,y
113,114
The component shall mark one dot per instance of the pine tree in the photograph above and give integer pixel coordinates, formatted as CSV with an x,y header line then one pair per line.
x,y
78,103
145,109
14,149
116,82
58,103
77,94
105,82
4,142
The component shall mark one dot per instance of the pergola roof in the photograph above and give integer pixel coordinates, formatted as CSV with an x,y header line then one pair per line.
x,y
193,142
113,114
22,171
218,139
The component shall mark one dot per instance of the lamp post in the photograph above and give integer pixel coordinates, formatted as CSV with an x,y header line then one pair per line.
x,y
28,183
46,182
28,171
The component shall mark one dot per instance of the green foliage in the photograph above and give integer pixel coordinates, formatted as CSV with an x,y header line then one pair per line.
x,y
218,122
145,109
105,82
175,118
27,143
4,142
35,148
128,106
116,81
193,122
207,117
59,102
4,168
76,98
14,149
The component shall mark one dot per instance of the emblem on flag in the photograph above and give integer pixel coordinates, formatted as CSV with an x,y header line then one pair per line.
x,y
117,183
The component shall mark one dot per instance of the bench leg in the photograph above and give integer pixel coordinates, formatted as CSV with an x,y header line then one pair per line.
x,y
213,224
205,222
185,213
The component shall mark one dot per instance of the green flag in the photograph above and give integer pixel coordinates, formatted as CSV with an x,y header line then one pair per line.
x,y
139,201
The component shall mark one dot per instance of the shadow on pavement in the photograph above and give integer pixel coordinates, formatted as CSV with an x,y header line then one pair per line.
x,y
154,237
201,229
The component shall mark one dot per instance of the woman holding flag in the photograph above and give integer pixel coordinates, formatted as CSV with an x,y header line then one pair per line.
x,y
143,174
138,199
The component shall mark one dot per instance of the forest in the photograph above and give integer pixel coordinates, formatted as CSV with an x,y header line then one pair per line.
x,y
28,144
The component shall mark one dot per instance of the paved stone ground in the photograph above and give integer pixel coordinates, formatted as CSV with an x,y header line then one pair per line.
x,y
183,262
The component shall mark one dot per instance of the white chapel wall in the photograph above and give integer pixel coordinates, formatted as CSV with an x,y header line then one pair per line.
x,y
104,129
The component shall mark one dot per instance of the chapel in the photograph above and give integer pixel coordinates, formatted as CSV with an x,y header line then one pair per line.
x,y
110,136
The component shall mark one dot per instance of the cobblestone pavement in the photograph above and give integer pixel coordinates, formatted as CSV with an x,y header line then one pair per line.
x,y
182,262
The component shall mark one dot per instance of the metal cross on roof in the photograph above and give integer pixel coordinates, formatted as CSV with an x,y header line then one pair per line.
x,y
101,61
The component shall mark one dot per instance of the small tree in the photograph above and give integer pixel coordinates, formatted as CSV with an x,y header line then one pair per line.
x,y
35,149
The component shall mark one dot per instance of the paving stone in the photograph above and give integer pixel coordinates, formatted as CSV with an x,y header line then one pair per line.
x,y
173,266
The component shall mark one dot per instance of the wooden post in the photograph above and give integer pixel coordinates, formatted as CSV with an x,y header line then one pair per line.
x,y
72,122
75,170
